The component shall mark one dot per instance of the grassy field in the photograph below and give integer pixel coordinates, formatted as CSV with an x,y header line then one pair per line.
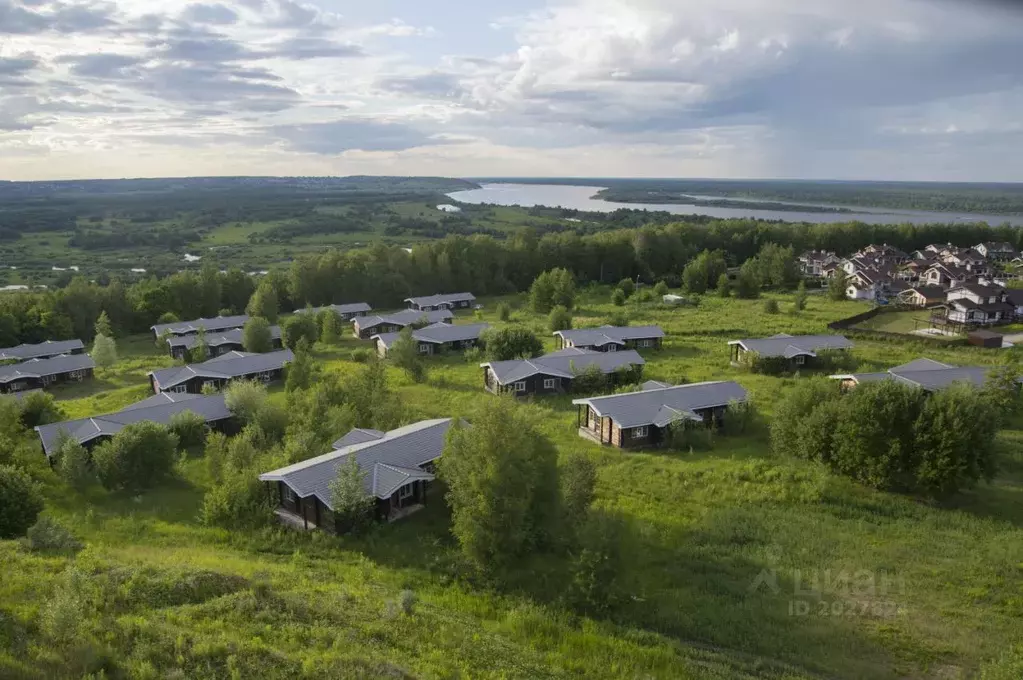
x,y
705,529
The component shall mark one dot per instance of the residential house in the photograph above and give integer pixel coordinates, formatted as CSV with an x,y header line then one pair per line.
x,y
397,468
347,312
40,373
913,270
968,259
42,350
922,296
816,262
365,327
855,290
215,325
157,409
611,338
926,374
436,338
642,419
1014,296
217,344
432,303
997,250
974,304
798,350
883,252
946,275
554,372
216,373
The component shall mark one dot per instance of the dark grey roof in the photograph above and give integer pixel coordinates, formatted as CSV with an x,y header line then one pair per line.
x,y
788,346
349,308
565,363
662,406
42,349
927,374
220,323
388,462
438,333
1015,296
929,291
225,367
358,436
433,300
979,289
37,368
655,385
232,337
157,409
403,318
597,337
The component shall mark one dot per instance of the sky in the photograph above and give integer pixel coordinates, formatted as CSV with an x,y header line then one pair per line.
x,y
817,89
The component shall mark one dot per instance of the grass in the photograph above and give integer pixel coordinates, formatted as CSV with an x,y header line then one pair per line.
x,y
703,527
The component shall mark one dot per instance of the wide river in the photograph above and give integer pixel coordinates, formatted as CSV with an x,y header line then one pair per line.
x,y
582,198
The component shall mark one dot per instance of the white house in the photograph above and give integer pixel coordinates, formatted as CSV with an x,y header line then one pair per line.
x,y
973,303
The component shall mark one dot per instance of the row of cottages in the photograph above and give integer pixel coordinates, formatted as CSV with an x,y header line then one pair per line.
x,y
346,312
436,338
611,338
642,419
217,344
158,409
926,374
42,350
40,373
365,327
397,466
214,325
216,373
800,351
432,303
553,373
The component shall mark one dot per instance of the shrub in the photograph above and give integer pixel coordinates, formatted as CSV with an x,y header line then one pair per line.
x,y
361,356
104,351
256,336
407,602
74,464
800,300
618,297
560,319
331,326
168,317
299,327
404,354
594,588
590,380
238,501
39,408
504,311
511,343
353,507
619,319
660,289
724,288
245,398
20,501
770,306
627,286
642,296
136,458
554,287
474,355
189,427
48,534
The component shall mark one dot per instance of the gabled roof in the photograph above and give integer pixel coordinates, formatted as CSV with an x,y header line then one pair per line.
x,y
928,292
662,406
387,462
37,368
605,335
232,337
978,289
565,363
158,409
225,367
350,308
42,349
438,334
788,346
358,436
220,323
927,374
403,318
433,300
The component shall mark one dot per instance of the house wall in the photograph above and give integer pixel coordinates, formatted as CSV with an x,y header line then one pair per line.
x,y
534,385
22,384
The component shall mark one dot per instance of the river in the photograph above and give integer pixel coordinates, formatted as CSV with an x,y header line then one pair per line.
x,y
582,198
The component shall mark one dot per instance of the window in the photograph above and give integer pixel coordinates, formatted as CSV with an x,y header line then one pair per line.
x,y
424,348
548,383
520,386
289,494
800,360
640,432
405,492
646,343
612,347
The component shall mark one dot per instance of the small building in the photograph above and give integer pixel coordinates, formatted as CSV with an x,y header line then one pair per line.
x,y
436,338
642,419
798,350
218,372
554,373
988,339
365,327
218,344
997,250
157,409
922,296
926,374
431,303
41,373
397,468
347,312
611,338
817,262
42,350
945,275
214,325
856,290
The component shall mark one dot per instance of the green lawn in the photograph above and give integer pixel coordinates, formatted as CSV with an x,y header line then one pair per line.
x,y
702,528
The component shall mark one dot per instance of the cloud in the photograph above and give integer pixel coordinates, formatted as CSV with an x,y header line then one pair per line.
x,y
215,14
345,135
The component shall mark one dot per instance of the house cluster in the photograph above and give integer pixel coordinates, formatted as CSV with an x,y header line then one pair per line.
x,y
33,367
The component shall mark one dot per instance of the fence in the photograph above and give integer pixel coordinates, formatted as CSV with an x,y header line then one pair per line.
x,y
849,324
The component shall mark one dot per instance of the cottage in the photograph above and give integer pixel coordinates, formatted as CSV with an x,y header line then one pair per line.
x,y
40,373
998,251
611,338
922,296
554,372
945,275
42,350
218,344
347,312
157,409
816,262
365,327
926,374
976,304
855,290
642,419
216,373
432,303
798,350
215,325
436,338
397,468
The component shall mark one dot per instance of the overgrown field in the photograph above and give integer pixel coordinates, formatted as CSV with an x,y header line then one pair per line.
x,y
733,563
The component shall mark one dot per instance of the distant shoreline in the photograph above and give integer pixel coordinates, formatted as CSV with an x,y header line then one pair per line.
x,y
675,198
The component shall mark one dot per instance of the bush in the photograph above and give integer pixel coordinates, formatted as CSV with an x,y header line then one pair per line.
x,y
560,319
299,327
39,408
660,289
136,458
48,534
404,354
643,296
770,306
245,398
361,356
331,326
724,288
20,502
627,286
238,501
353,506
511,343
256,336
800,300
554,287
167,317
104,351
619,319
504,311
618,297
189,427
594,589
474,355
407,602
74,464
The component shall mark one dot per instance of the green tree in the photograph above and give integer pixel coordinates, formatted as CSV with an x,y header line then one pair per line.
x,y
771,306
502,478
256,336
104,351
302,370
578,484
660,289
200,351
189,427
138,457
541,293
511,343
596,567
74,463
264,303
353,506
210,289
618,297
724,287
102,326
404,354
627,286
564,288
298,327
503,311
747,285
20,502
245,399
837,285
330,325
39,408
792,413
560,319
706,268
168,317
799,301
